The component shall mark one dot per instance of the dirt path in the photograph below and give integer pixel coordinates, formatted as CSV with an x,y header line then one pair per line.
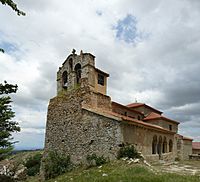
x,y
185,167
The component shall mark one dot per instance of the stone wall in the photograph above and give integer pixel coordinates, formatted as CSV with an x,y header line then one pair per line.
x,y
187,149
100,88
165,124
195,151
195,157
79,132
179,140
154,159
143,138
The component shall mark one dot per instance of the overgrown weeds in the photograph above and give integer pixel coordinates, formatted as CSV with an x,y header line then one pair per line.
x,y
128,151
56,164
33,164
94,160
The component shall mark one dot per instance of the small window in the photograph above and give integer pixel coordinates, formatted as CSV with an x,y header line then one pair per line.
x,y
139,118
125,113
100,79
170,127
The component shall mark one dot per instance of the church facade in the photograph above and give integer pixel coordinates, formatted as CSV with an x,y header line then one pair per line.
x,y
83,120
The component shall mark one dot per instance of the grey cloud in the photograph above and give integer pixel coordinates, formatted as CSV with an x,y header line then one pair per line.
x,y
163,68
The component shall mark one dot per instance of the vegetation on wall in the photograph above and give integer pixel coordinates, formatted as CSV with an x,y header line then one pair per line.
x,y
94,160
56,164
128,151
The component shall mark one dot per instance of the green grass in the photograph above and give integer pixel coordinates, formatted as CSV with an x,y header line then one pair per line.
x,y
120,171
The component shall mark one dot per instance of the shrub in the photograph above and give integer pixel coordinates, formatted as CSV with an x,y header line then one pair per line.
x,y
94,160
56,164
128,151
4,178
33,164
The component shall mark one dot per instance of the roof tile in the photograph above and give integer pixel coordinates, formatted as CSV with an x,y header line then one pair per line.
x,y
195,145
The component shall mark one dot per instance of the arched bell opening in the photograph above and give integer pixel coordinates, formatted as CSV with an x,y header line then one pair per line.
x,y
78,73
64,79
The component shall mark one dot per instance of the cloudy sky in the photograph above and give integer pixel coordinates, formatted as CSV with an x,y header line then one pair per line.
x,y
150,48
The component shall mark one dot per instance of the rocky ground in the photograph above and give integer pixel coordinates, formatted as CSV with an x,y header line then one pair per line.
x,y
181,167
13,166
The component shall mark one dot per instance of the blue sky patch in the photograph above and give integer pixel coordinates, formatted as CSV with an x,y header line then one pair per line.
x,y
127,29
8,47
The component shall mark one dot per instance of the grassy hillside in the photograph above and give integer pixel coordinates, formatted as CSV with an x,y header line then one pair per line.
x,y
121,171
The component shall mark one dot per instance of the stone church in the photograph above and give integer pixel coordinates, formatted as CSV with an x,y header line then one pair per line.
x,y
82,119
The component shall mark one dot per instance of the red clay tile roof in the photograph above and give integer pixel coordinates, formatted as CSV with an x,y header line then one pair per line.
x,y
195,145
134,105
128,108
153,116
132,121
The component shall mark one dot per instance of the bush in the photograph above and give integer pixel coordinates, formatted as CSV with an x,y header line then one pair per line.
x,y
33,164
94,160
4,178
56,164
5,152
128,151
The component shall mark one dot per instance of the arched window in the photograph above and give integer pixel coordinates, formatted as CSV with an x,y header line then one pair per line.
x,y
78,73
159,147
154,144
164,145
70,64
64,79
170,145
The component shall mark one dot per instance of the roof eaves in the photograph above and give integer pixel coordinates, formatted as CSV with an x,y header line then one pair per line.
x,y
161,117
143,104
122,118
102,72
132,110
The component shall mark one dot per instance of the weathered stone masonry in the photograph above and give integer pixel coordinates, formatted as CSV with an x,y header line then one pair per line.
x,y
76,131
83,120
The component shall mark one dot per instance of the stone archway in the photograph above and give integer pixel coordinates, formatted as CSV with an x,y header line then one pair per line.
x,y
154,145
78,73
64,79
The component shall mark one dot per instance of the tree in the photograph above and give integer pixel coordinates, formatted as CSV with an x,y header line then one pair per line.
x,y
15,8
7,126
